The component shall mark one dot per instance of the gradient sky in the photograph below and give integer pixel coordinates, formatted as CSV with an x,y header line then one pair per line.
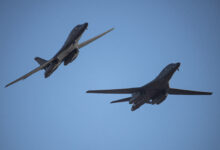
x,y
57,114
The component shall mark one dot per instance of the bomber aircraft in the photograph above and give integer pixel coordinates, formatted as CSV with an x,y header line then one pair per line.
x,y
154,92
68,52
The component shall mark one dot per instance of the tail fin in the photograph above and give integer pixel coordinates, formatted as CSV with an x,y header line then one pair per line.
x,y
40,61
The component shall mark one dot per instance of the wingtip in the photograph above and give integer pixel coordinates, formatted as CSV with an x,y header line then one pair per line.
x,y
112,28
7,85
91,91
208,93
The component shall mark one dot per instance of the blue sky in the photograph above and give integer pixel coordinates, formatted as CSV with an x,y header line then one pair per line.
x,y
56,113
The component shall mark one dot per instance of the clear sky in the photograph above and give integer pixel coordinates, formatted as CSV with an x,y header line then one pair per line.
x,y
57,114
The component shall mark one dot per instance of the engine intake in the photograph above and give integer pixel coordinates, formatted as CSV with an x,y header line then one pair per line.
x,y
159,98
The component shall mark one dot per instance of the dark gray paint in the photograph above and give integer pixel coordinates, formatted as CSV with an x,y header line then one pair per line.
x,y
154,92
68,52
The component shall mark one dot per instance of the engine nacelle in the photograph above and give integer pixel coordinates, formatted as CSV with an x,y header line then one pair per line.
x,y
72,56
159,99
49,69
135,97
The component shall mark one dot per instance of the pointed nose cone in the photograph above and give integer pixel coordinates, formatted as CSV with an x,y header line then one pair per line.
x,y
178,64
86,24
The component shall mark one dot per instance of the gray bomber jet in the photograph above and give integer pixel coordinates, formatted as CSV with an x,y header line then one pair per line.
x,y
154,92
66,54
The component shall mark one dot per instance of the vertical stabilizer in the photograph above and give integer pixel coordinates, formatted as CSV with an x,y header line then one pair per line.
x,y
40,61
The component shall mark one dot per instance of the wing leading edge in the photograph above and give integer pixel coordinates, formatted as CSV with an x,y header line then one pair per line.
x,y
187,92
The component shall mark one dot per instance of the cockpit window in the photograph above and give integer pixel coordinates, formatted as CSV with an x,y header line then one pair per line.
x,y
77,27
166,71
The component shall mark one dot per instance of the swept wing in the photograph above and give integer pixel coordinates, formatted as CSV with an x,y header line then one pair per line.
x,y
116,91
187,92
93,39
30,73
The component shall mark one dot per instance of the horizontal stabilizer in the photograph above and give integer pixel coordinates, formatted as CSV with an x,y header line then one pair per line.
x,y
40,60
187,92
122,100
116,91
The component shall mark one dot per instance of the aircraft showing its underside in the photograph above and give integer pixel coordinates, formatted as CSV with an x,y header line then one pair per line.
x,y
66,54
154,92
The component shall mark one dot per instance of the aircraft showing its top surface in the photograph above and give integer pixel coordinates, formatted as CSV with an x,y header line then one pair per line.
x,y
154,92
66,54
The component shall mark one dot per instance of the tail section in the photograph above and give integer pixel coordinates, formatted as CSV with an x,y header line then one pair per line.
x,y
40,61
122,100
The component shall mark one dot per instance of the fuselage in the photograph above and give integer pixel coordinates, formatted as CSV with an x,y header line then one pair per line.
x,y
154,92
69,51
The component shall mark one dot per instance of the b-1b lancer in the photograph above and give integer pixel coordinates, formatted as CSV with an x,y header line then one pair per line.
x,y
68,52
154,92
